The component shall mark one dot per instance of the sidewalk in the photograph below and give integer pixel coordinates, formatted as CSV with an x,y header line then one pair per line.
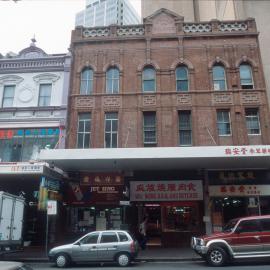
x,y
37,254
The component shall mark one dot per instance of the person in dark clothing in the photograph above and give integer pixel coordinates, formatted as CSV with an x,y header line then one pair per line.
x,y
143,236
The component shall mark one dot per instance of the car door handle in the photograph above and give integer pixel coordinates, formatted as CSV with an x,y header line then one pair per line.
x,y
257,237
94,247
115,246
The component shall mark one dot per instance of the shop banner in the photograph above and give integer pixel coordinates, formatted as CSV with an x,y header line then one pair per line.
x,y
101,179
166,190
239,190
18,168
93,195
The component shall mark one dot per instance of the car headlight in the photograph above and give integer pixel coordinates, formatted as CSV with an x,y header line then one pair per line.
x,y
51,252
200,242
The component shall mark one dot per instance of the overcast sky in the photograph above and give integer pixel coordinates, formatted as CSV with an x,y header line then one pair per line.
x,y
51,21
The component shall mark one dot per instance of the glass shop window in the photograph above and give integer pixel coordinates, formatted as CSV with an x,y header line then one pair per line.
x,y
180,218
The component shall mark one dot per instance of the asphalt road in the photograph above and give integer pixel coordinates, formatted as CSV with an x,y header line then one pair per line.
x,y
265,265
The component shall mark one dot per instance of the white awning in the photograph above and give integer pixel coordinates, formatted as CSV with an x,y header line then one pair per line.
x,y
159,158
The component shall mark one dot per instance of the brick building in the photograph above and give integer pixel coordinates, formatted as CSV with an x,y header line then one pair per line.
x,y
164,48
192,92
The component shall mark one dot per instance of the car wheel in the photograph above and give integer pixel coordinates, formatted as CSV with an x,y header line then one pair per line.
x,y
123,259
62,260
216,256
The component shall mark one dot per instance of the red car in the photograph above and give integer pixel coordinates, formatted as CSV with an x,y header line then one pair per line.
x,y
247,237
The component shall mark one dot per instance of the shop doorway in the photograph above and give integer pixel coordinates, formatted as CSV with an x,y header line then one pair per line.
x,y
225,209
153,231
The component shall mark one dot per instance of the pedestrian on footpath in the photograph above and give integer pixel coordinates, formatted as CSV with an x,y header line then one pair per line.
x,y
142,230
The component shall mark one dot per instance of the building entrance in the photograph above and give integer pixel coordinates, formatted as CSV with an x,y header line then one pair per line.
x,y
171,223
153,228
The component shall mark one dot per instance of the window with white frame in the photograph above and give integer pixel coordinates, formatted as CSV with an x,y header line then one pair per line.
x,y
84,130
149,79
219,78
111,129
223,123
253,121
112,80
185,128
8,96
246,78
149,129
86,87
181,74
45,91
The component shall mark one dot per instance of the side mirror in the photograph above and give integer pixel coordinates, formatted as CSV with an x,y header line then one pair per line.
x,y
238,229
77,243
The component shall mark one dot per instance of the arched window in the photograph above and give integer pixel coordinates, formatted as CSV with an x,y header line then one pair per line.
x,y
181,75
86,81
112,80
246,79
149,79
219,78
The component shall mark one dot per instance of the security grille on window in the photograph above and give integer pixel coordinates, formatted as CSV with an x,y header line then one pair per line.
x,y
253,122
112,81
219,78
181,74
149,79
223,123
149,129
185,128
111,130
8,96
86,81
246,79
44,94
84,130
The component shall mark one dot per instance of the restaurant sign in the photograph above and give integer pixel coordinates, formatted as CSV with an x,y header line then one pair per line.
x,y
166,190
239,190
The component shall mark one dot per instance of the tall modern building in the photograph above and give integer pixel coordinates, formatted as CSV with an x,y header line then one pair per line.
x,y
106,12
206,10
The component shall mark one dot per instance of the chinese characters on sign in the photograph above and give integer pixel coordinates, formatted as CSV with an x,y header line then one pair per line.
x,y
102,179
243,151
97,188
239,190
17,133
236,175
21,168
166,191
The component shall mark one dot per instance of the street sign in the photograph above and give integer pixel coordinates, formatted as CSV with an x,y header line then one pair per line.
x,y
51,207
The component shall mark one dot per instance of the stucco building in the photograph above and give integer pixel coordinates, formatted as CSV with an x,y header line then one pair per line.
x,y
33,109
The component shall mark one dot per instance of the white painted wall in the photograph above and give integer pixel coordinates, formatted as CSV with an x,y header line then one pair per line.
x,y
27,91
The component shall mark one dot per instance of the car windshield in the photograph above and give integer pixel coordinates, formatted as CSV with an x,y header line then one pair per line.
x,y
230,225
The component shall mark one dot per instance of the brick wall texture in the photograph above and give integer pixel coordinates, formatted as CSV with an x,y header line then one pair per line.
x,y
165,51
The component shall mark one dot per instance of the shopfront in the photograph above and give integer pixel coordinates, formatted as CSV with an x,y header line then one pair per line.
x,y
174,210
37,183
237,193
24,144
93,203
155,178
